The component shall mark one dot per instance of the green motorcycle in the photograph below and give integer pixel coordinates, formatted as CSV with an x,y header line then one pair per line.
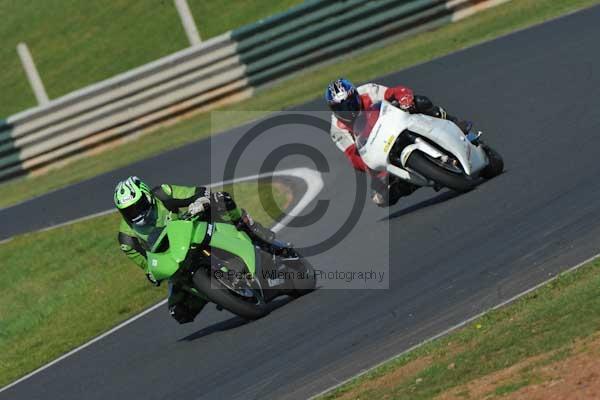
x,y
220,264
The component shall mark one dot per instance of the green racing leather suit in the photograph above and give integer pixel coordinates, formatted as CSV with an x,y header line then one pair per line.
x,y
172,201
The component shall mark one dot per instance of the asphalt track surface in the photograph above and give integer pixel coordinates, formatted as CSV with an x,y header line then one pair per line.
x,y
450,257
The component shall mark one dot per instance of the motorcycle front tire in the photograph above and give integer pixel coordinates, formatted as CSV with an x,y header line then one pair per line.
x,y
216,292
418,162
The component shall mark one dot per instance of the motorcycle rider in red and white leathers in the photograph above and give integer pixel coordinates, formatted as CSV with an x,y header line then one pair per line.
x,y
347,101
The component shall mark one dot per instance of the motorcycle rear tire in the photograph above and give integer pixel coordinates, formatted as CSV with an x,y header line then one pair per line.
x,y
306,280
496,163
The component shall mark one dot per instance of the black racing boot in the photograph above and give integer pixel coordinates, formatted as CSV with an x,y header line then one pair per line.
x,y
425,106
387,191
254,229
184,307
399,188
263,237
465,126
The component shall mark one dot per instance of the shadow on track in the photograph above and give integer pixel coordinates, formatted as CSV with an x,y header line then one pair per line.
x,y
232,322
226,325
440,198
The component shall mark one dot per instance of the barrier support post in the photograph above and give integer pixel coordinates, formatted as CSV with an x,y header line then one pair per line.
x,y
188,22
32,74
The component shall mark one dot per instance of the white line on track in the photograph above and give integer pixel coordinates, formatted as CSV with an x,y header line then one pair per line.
x,y
314,184
312,178
455,327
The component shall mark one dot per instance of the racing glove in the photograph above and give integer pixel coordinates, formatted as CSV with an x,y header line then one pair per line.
x,y
405,103
201,204
401,97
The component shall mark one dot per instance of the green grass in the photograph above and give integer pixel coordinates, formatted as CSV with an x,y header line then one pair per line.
x,y
65,286
306,86
548,320
79,42
511,387
216,17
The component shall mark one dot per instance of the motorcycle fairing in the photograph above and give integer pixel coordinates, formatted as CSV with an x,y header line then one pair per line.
x,y
180,234
226,237
375,149
449,137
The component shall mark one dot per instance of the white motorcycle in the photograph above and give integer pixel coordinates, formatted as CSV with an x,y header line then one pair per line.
x,y
423,150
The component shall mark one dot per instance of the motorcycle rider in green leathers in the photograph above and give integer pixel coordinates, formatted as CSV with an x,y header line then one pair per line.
x,y
144,209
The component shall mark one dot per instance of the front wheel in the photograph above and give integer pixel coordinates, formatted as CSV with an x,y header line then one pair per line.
x,y
456,181
216,292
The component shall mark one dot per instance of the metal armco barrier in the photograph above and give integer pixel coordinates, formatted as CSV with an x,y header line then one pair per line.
x,y
223,69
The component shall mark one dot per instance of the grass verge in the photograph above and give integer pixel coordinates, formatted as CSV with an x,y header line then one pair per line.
x,y
53,301
79,42
536,330
307,85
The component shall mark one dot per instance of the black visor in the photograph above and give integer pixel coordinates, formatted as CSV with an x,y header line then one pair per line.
x,y
348,109
136,213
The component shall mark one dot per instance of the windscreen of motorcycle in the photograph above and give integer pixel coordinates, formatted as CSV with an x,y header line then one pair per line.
x,y
377,128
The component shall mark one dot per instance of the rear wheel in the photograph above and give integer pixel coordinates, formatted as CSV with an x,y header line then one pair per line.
x,y
425,166
305,280
247,308
306,283
496,163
